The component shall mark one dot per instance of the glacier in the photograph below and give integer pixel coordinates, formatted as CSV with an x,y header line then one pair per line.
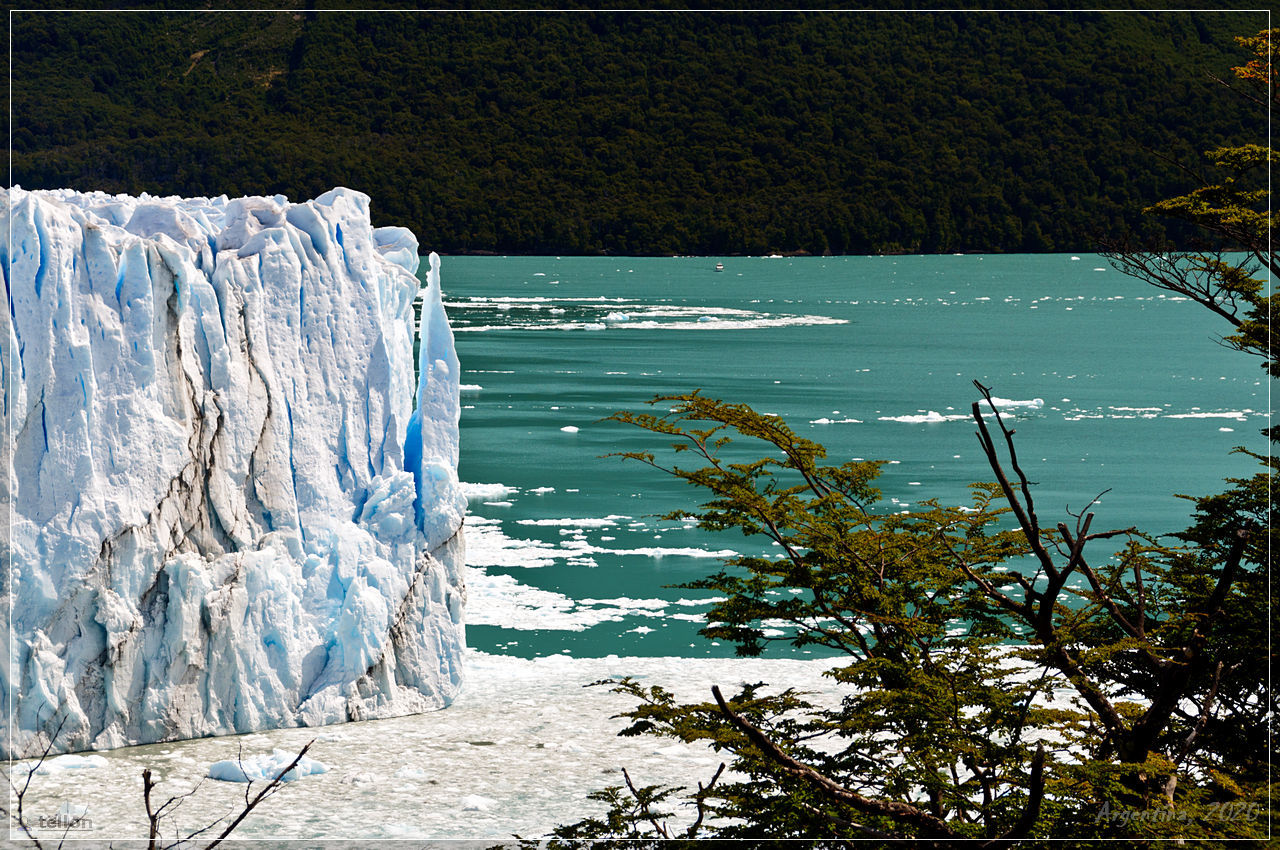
x,y
231,499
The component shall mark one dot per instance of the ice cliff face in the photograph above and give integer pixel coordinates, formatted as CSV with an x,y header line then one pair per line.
x,y
230,507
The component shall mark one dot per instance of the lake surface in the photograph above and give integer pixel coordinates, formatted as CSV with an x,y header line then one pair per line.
x,y
872,356
1119,387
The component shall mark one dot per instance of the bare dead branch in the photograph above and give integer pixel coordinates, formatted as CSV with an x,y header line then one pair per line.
x,y
1025,513
21,793
1022,827
1169,272
167,808
262,795
1103,595
849,824
1228,576
1247,95
1173,687
700,799
153,821
1022,609
1203,719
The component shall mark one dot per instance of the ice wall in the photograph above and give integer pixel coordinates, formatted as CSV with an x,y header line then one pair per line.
x,y
229,507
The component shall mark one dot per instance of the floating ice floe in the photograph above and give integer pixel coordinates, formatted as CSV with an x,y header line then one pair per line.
x,y
59,764
265,768
584,522
483,492
476,803
1005,404
916,418
1239,415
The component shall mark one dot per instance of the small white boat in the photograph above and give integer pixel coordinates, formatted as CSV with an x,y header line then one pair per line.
x,y
719,267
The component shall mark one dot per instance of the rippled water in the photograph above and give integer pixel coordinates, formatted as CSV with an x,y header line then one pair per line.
x,y
1112,385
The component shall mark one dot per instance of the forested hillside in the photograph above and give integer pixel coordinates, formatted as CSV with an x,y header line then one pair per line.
x,y
645,133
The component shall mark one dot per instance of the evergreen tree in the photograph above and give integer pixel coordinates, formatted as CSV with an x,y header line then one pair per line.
x,y
1009,677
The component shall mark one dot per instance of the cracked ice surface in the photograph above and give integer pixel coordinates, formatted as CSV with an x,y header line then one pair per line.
x,y
231,508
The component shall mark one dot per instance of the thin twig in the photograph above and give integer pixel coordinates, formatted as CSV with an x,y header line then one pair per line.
x,y
661,829
250,804
22,793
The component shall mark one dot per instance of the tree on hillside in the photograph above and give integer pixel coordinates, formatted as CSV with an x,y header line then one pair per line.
x,y
1010,676
635,132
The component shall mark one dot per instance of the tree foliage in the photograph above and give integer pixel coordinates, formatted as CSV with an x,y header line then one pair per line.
x,y
642,133
1009,677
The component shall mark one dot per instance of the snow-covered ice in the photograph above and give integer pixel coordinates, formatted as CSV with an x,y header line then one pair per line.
x,y
233,505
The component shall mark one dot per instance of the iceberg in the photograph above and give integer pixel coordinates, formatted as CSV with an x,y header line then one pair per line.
x,y
232,499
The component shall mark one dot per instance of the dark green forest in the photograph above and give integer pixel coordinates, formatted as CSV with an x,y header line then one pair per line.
x,y
648,132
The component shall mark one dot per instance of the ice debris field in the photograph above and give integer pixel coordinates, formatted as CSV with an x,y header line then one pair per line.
x,y
518,752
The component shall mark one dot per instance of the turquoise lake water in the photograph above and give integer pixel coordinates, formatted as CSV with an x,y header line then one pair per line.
x,y
872,356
